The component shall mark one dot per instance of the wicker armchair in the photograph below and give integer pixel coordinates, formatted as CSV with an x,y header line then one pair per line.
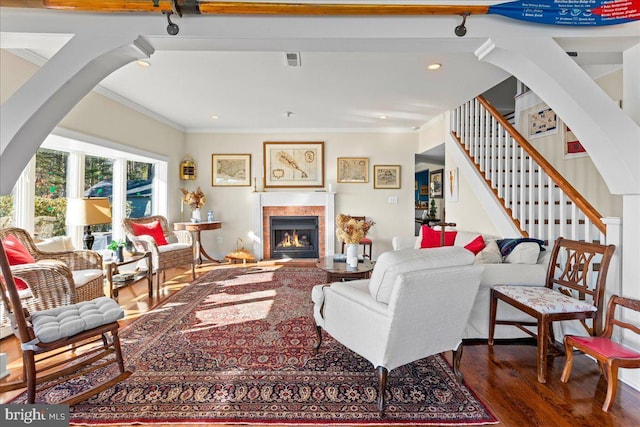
x,y
178,252
56,278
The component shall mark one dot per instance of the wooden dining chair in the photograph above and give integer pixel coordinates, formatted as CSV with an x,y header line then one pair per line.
x,y
609,354
574,290
62,343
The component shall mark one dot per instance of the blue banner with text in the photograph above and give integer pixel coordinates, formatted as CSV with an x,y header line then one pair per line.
x,y
571,12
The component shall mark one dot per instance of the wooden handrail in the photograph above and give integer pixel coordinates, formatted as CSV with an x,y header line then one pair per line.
x,y
248,8
586,207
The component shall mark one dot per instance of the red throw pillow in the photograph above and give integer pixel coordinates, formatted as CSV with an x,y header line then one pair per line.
x,y
153,229
476,245
431,238
17,254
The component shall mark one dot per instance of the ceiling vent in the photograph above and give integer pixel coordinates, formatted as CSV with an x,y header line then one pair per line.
x,y
293,59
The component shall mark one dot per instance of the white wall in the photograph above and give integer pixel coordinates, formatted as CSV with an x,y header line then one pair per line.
x,y
580,172
468,213
104,118
233,205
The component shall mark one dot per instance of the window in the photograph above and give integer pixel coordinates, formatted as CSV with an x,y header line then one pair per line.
x,y
50,205
134,181
139,189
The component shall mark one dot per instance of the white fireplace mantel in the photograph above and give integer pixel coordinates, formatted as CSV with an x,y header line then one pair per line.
x,y
319,198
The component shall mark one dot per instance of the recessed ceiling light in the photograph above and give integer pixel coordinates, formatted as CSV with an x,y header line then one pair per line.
x,y
434,66
143,63
288,113
383,116
214,117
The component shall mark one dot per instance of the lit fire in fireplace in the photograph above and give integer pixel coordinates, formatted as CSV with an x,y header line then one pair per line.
x,y
291,240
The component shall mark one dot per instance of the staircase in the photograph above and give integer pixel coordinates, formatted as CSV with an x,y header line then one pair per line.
x,y
539,201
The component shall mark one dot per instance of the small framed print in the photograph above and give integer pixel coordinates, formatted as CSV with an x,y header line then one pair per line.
x,y
293,164
572,147
386,176
542,122
435,184
231,170
353,169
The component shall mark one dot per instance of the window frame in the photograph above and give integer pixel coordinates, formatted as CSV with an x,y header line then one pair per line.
x,y
78,145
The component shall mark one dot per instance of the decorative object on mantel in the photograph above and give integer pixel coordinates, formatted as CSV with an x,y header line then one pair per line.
x,y
188,168
351,231
196,200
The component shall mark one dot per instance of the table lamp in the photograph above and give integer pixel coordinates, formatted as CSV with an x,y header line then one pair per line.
x,y
88,212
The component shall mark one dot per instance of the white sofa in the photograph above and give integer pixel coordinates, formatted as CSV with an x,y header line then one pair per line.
x,y
526,266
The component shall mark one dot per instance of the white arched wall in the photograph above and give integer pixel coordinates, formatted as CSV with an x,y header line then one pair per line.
x,y
32,112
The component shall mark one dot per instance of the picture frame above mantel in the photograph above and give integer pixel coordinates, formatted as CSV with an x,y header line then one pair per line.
x,y
293,164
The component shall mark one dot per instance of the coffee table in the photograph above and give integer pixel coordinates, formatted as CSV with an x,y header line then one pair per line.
x,y
338,271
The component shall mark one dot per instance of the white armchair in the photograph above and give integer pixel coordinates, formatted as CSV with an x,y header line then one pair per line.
x,y
415,304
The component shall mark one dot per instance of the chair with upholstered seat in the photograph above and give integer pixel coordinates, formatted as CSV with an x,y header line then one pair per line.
x,y
609,354
51,279
83,337
574,290
416,304
168,248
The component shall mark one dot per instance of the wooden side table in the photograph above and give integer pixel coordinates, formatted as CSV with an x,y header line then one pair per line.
x,y
339,271
112,268
196,228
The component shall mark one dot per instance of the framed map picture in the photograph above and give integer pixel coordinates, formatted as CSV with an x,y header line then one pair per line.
x,y
353,169
386,176
542,122
231,170
293,164
435,184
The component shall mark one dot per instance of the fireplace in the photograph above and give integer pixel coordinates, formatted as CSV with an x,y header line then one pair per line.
x,y
293,237
319,204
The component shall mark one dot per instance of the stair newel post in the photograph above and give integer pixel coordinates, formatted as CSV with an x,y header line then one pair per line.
x,y
523,187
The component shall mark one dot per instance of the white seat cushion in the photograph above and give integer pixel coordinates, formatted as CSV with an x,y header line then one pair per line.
x,y
173,247
544,300
82,277
390,264
68,320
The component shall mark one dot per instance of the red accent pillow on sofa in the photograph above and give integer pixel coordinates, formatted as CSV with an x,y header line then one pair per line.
x,y
431,238
17,254
476,245
153,229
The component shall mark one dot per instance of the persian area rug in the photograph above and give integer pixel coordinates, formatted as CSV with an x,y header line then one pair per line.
x,y
236,346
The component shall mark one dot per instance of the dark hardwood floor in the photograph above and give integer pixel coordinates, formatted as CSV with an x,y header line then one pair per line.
x,y
504,377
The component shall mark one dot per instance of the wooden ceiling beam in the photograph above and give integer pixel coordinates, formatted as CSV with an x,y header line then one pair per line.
x,y
248,8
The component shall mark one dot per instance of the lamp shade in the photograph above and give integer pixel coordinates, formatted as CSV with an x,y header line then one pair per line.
x,y
88,211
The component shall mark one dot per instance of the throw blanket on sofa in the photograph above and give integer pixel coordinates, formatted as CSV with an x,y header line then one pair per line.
x,y
507,245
